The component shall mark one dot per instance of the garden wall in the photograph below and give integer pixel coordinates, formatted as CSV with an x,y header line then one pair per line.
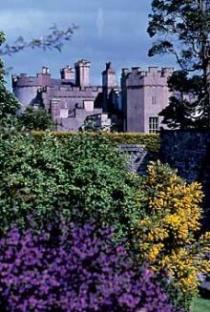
x,y
189,152
186,150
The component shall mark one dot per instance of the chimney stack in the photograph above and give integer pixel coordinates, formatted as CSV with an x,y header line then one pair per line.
x,y
82,71
67,73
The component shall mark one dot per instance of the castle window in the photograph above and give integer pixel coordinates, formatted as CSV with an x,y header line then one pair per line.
x,y
88,105
64,113
154,100
153,124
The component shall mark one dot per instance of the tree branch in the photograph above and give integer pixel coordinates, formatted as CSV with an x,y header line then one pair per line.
x,y
54,40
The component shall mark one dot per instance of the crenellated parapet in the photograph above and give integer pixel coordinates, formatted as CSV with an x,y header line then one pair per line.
x,y
137,77
23,80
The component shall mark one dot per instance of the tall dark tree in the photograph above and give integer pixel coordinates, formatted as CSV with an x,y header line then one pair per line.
x,y
181,29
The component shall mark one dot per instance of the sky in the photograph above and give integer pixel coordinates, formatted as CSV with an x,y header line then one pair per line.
x,y
109,30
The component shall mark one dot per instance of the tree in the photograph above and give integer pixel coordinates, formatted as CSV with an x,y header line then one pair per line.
x,y
54,40
36,119
8,103
182,30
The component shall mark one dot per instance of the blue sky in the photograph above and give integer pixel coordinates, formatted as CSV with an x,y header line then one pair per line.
x,y
109,30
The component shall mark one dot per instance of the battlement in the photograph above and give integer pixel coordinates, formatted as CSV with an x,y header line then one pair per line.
x,y
40,80
23,80
154,76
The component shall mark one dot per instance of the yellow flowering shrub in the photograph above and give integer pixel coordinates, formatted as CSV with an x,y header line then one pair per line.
x,y
168,234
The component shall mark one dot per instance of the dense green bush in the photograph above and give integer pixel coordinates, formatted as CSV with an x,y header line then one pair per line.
x,y
77,178
150,141
36,119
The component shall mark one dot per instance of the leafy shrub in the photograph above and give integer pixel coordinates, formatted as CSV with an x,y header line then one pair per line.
x,y
8,103
36,119
82,271
76,179
168,235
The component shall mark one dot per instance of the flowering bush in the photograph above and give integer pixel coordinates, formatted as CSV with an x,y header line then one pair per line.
x,y
80,270
169,232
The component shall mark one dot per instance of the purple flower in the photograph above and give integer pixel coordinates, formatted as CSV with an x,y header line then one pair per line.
x,y
83,271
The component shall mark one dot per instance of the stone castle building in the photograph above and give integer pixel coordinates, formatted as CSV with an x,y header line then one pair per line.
x,y
144,95
72,99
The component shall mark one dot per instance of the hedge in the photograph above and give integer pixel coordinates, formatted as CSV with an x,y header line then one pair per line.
x,y
150,141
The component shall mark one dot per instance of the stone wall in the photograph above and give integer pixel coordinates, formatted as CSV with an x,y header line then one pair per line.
x,y
136,156
189,152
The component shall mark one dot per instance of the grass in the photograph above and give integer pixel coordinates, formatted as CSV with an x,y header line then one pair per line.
x,y
201,305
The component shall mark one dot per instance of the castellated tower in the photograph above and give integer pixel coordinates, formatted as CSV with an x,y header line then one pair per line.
x,y
27,88
110,87
145,94
82,71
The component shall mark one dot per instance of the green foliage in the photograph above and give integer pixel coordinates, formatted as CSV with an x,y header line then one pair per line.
x,y
8,103
36,119
183,113
184,21
77,178
150,141
181,29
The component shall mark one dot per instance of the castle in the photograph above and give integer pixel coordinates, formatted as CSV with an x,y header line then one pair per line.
x,y
72,100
